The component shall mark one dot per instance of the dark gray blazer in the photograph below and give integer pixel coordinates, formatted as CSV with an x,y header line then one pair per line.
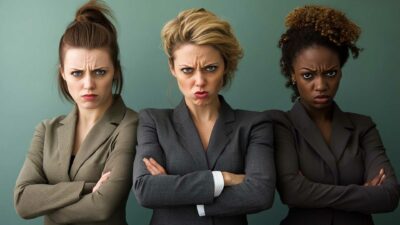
x,y
330,189
48,186
241,142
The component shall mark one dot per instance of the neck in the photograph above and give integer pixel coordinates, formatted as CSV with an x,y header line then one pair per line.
x,y
320,115
205,113
88,117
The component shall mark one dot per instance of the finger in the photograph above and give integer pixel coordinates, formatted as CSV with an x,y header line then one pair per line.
x,y
157,165
151,168
382,179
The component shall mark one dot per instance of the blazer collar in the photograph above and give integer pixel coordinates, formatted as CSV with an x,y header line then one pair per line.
x,y
341,132
96,136
220,134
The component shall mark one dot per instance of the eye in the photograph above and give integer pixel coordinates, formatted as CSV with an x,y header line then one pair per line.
x,y
210,68
76,73
307,76
187,70
100,72
331,73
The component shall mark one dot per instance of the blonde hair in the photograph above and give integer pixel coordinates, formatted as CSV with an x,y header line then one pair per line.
x,y
201,27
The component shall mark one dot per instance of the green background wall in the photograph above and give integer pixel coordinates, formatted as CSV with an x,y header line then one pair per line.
x,y
29,35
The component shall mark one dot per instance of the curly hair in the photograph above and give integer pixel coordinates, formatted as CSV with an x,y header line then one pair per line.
x,y
202,27
316,25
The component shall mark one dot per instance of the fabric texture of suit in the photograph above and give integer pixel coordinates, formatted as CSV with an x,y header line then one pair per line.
x,y
241,142
47,185
330,188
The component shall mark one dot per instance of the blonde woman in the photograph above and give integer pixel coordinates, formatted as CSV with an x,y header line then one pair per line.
x,y
203,162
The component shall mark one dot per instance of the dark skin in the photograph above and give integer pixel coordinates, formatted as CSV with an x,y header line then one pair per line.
x,y
317,74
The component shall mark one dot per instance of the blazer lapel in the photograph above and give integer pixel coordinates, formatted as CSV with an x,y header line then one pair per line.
x,y
188,135
342,129
310,132
221,133
65,140
99,134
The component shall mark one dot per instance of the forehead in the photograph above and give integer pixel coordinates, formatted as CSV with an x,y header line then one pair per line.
x,y
191,53
316,55
84,56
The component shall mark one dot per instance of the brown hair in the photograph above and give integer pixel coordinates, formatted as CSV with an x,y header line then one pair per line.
x,y
201,27
91,29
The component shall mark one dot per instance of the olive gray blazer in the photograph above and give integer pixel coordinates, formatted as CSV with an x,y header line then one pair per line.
x,y
330,188
47,185
241,142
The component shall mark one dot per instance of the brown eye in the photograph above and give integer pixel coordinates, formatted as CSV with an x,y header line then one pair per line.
x,y
307,76
331,73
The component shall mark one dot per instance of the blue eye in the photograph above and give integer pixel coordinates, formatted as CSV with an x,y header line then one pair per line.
x,y
76,73
331,73
307,76
187,70
100,72
210,68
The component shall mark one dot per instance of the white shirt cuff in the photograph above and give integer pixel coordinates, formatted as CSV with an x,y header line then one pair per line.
x,y
200,210
218,183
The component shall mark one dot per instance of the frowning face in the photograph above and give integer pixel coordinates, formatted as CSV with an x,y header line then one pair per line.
x,y
89,77
199,71
317,74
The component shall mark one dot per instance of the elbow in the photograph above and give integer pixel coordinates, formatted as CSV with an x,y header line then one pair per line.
x,y
105,213
266,200
23,212
141,193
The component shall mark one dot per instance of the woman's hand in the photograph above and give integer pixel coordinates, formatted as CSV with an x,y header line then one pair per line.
x,y
101,181
231,179
378,180
153,167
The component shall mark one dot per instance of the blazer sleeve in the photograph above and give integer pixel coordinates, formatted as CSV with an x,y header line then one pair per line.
x,y
100,205
297,191
256,192
165,190
33,196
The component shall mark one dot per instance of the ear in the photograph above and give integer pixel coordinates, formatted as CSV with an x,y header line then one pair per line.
x,y
61,70
171,67
292,78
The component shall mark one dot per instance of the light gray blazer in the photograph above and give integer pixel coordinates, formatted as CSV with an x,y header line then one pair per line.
x,y
241,142
330,189
47,185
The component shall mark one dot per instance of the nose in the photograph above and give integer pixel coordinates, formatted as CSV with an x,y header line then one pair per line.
x,y
320,83
200,80
88,82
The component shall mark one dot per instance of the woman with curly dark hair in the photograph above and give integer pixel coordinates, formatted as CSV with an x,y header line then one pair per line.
x,y
332,166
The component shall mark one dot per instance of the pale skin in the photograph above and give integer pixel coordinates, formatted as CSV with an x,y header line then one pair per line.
x,y
89,75
199,71
317,73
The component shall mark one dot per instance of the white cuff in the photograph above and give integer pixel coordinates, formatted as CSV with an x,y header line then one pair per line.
x,y
218,183
200,210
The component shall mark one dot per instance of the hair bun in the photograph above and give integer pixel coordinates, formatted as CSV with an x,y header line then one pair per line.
x,y
95,12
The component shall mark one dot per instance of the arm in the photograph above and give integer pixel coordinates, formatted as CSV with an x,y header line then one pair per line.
x,y
256,192
101,204
165,190
33,196
297,191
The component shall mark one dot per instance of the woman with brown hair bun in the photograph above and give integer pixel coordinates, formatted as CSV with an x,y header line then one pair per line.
x,y
79,167
331,165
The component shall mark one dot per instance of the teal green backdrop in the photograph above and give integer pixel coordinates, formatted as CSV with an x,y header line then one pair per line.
x,y
30,32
